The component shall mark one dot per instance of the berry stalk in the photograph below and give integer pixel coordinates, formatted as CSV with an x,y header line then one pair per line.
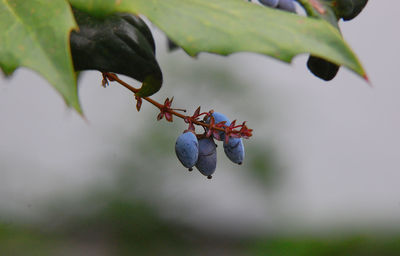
x,y
233,130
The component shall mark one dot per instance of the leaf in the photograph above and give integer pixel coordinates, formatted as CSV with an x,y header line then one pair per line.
x,y
120,43
229,26
35,34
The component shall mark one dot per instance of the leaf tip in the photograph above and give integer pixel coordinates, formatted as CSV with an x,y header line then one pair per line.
x,y
366,78
78,109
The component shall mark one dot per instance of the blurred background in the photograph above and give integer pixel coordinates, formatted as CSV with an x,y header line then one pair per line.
x,y
321,173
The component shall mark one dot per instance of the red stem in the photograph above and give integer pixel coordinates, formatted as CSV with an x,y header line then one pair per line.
x,y
114,77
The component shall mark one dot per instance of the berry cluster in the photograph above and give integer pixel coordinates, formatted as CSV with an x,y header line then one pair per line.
x,y
197,149
286,5
345,9
340,9
200,150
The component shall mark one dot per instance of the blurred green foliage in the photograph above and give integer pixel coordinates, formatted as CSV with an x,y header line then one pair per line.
x,y
120,228
123,228
344,246
131,227
19,240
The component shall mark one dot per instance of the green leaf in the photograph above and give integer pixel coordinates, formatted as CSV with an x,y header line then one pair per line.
x,y
35,34
229,26
120,43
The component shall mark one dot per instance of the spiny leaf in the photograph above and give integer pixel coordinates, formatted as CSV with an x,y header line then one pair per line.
x,y
229,26
35,34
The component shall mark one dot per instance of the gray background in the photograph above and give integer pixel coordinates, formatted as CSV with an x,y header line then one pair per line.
x,y
338,142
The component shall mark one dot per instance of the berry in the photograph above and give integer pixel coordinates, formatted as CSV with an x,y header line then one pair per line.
x,y
349,9
287,5
218,117
234,150
322,68
207,161
270,3
187,149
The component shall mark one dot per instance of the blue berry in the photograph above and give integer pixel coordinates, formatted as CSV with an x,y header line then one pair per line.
x,y
187,149
207,162
287,5
349,9
218,117
234,150
270,3
322,68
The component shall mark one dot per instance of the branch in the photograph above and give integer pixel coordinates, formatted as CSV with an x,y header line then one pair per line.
x,y
233,130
